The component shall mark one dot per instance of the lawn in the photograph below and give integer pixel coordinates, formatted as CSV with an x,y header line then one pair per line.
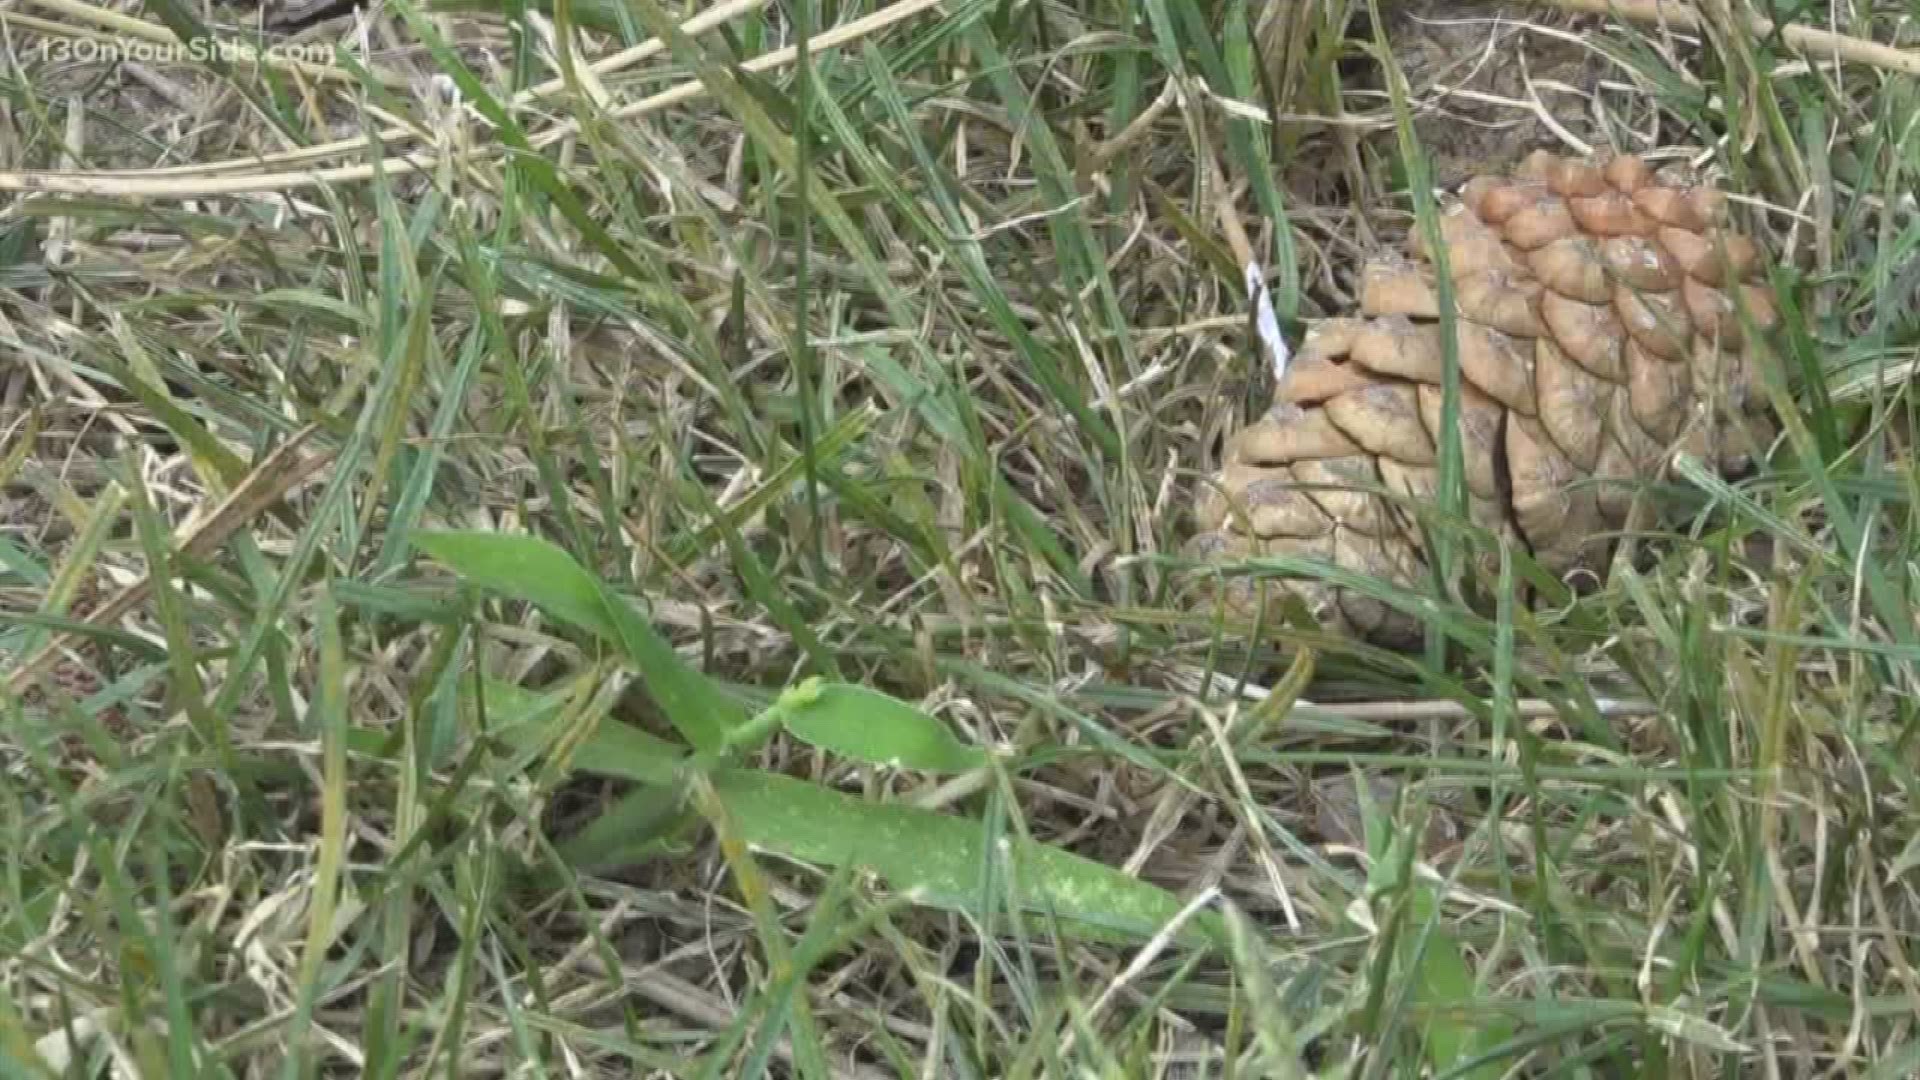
x,y
591,538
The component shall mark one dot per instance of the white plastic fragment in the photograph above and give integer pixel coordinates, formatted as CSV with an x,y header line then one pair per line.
x,y
1265,324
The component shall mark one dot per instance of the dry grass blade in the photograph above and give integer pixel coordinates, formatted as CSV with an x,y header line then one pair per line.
x,y
141,185
266,484
130,27
1812,42
389,137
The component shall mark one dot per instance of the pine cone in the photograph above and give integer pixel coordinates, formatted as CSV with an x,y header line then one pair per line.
x,y
1597,332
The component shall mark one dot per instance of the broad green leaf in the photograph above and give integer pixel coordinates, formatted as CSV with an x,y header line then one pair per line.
x,y
1457,1032
875,728
939,860
630,830
636,829
614,748
540,572
526,568
617,748
701,711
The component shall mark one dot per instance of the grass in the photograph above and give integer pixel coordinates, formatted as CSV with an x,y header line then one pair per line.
x,y
688,588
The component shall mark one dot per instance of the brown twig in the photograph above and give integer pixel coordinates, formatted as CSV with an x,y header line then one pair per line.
x,y
1809,42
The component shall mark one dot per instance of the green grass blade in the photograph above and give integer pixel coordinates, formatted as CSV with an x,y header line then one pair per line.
x,y
539,572
935,858
874,728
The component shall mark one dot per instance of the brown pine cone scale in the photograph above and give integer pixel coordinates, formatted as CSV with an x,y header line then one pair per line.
x,y
1602,314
